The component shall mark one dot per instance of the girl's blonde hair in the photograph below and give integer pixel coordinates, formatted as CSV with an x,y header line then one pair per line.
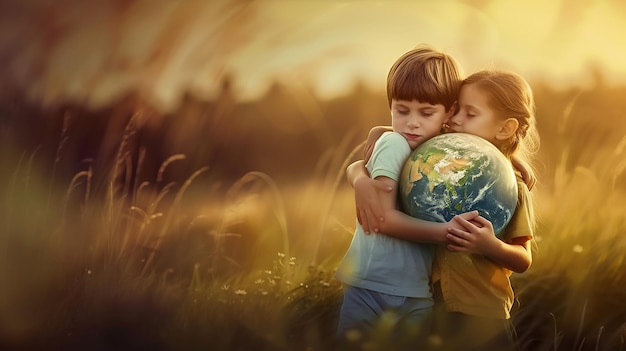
x,y
511,97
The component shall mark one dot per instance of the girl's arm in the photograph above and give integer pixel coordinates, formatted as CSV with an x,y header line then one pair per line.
x,y
372,136
479,238
366,190
402,226
367,199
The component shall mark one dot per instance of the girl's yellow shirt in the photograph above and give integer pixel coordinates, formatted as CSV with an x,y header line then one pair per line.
x,y
473,284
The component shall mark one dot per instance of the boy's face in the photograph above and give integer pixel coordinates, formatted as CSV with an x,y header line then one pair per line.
x,y
417,121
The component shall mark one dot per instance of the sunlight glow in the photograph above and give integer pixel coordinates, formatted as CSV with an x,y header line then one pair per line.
x,y
163,51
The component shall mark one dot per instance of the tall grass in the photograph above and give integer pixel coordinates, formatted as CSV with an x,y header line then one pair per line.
x,y
192,264
84,271
573,292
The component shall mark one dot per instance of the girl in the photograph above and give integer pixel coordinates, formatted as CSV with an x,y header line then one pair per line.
x,y
470,278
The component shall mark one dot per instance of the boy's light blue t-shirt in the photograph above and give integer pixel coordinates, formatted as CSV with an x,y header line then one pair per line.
x,y
380,262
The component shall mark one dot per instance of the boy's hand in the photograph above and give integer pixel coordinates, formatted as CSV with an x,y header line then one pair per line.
x,y
524,168
369,211
474,237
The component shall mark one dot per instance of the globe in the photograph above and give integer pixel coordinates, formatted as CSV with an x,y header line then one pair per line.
x,y
455,173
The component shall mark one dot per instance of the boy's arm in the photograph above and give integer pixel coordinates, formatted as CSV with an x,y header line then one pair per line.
x,y
402,226
524,168
479,238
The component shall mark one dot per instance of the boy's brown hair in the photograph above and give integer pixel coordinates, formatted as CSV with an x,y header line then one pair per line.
x,y
427,75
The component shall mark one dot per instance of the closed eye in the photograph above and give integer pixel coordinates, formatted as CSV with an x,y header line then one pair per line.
x,y
403,112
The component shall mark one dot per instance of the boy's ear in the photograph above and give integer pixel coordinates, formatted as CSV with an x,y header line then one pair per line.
x,y
446,120
453,109
507,129
451,112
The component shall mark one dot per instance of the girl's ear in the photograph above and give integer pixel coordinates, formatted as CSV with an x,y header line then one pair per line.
x,y
507,129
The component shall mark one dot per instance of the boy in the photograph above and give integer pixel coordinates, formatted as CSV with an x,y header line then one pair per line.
x,y
381,272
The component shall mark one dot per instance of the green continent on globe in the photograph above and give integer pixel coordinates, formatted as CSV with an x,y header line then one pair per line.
x,y
455,173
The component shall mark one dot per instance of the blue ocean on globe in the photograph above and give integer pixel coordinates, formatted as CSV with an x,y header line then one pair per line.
x,y
455,173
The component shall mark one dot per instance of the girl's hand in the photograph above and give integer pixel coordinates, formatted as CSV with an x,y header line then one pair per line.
x,y
453,223
372,136
473,237
369,210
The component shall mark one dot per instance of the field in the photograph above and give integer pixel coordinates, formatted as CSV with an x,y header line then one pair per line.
x,y
219,226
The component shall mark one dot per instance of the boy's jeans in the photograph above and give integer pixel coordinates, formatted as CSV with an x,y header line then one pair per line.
x,y
362,310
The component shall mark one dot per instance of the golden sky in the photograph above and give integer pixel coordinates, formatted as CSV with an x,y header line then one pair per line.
x,y
93,51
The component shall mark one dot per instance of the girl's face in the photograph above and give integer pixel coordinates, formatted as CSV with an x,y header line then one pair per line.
x,y
417,121
475,115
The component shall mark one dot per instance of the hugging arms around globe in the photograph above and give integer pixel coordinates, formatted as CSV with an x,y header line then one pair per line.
x,y
456,173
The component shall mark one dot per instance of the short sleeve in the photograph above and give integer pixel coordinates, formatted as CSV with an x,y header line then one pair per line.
x,y
522,222
390,153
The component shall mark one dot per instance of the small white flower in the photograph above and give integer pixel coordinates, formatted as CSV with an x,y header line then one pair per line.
x,y
281,255
241,292
578,248
259,281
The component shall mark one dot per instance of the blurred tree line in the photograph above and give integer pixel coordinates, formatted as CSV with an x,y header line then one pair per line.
x,y
284,133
